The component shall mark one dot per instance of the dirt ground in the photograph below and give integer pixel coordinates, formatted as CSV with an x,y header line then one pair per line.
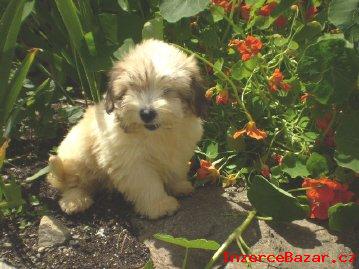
x,y
101,238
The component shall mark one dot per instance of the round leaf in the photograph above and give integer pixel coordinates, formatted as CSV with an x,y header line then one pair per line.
x,y
183,242
347,141
174,10
272,201
343,216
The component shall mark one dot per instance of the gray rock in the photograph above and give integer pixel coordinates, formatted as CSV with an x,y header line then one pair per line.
x,y
51,233
213,213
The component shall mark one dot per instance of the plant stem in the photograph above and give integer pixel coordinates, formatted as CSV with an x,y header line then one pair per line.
x,y
300,189
264,218
231,83
235,234
184,264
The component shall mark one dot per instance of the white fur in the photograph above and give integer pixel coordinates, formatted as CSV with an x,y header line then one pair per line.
x,y
116,150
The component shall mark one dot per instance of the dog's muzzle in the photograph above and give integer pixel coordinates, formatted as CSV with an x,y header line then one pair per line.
x,y
152,127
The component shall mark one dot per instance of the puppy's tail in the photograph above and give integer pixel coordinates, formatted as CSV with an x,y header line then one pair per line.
x,y
57,176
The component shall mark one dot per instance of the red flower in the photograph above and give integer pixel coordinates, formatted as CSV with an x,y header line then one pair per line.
x,y
304,97
276,82
222,98
323,193
225,4
278,158
311,12
207,170
329,139
265,170
245,11
281,21
323,122
267,9
248,47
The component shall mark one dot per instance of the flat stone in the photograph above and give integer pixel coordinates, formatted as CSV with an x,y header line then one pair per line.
x,y
51,233
213,213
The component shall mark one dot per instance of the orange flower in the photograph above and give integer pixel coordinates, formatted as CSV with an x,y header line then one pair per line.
x,y
245,11
323,193
267,9
222,98
207,170
209,94
276,82
225,4
251,130
305,97
248,47
281,21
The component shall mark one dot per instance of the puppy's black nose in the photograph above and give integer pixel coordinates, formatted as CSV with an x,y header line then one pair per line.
x,y
147,114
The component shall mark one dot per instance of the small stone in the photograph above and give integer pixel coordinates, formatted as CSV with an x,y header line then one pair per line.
x,y
7,245
101,232
51,233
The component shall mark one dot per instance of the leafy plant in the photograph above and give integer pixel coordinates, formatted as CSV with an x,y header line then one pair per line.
x,y
10,88
188,244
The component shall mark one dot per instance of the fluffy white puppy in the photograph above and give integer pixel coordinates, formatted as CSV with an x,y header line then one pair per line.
x,y
140,138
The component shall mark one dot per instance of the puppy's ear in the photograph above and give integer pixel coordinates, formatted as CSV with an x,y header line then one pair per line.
x,y
110,97
109,101
199,103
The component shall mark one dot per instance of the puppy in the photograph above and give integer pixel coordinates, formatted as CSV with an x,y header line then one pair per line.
x,y
140,138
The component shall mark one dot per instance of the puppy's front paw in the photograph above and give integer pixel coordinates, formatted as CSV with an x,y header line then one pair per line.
x,y
73,202
160,208
183,187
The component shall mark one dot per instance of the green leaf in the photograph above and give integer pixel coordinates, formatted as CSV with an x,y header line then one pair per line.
x,y
183,242
212,151
15,86
274,202
241,70
149,265
28,7
347,142
128,44
174,10
9,28
73,25
12,194
308,32
38,174
317,165
342,13
294,166
124,4
343,217
153,29
333,65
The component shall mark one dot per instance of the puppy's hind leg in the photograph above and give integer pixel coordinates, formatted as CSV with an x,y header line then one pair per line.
x,y
64,177
145,189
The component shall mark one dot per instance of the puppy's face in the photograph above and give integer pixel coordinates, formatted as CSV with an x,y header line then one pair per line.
x,y
155,86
